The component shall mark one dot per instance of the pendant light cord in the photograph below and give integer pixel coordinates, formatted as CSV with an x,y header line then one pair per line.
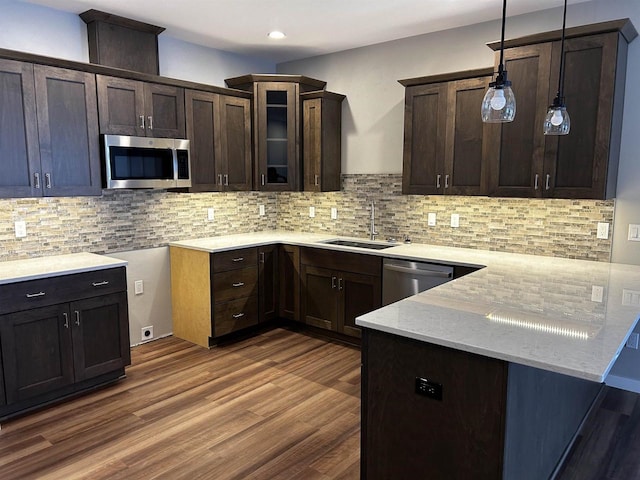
x,y
561,77
504,15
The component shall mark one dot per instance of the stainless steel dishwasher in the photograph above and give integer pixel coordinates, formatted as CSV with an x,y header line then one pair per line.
x,y
403,278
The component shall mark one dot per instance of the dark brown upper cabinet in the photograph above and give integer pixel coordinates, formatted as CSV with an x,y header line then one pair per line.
x,y
584,163
132,107
321,140
219,130
446,145
277,127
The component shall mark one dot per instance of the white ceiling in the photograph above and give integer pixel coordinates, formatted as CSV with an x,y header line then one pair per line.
x,y
313,27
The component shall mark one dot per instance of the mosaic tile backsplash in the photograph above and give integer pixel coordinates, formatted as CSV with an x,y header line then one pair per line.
x,y
124,220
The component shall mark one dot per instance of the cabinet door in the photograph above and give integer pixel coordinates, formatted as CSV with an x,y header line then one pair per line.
x,y
100,332
576,164
121,106
268,282
202,119
235,142
68,131
518,169
36,352
289,282
359,294
468,149
425,113
164,107
319,297
19,148
312,144
278,136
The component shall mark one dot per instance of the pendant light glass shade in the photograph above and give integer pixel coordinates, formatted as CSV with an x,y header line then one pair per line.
x,y
499,103
557,121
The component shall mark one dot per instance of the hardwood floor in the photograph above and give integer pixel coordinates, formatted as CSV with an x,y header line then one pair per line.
x,y
278,405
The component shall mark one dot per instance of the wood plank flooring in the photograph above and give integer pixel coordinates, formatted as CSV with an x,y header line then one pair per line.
x,y
280,405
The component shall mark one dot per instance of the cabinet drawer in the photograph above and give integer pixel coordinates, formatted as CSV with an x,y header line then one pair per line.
x,y
235,259
343,261
235,315
15,297
235,284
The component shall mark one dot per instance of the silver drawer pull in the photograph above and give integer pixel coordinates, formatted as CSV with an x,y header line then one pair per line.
x,y
33,295
238,315
239,259
36,180
77,317
47,180
239,284
100,284
66,319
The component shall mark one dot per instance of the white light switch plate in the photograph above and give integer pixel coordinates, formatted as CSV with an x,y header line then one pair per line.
x,y
431,219
21,229
603,230
634,233
597,292
455,220
261,210
138,287
312,212
210,214
334,213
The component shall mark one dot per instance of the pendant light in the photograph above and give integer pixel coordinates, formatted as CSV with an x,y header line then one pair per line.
x,y
557,121
499,103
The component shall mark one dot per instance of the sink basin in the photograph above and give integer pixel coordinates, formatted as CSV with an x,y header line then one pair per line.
x,y
356,243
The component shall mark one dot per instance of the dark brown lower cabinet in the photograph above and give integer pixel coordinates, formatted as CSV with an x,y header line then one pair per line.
x,y
486,419
337,287
268,282
289,279
56,349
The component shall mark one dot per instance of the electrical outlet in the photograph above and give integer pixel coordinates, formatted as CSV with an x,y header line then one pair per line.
x,y
630,298
138,287
21,229
428,388
210,214
634,233
431,219
261,210
312,212
603,230
334,213
455,220
147,333
597,292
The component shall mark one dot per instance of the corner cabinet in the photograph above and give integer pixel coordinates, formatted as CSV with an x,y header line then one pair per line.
x,y
62,335
132,107
584,163
48,131
446,145
337,287
278,126
219,131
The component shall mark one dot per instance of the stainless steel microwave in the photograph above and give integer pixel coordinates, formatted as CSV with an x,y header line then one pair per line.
x,y
143,162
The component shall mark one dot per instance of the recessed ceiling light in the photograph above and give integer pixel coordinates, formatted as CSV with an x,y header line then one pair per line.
x,y
276,35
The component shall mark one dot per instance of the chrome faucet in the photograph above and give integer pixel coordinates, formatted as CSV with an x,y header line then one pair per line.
x,y
373,233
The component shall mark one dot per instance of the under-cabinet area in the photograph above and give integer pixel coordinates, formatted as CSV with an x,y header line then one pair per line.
x,y
61,333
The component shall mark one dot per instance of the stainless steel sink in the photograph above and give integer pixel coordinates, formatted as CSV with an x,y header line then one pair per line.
x,y
356,243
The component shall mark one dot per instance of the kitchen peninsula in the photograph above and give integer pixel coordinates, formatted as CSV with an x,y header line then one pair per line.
x,y
517,352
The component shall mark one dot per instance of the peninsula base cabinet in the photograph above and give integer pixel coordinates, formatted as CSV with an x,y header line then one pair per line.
x,y
435,412
64,335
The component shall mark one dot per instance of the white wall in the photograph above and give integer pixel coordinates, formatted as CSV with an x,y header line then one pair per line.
x,y
373,112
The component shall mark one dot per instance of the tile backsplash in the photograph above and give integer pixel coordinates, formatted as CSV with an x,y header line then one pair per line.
x,y
124,220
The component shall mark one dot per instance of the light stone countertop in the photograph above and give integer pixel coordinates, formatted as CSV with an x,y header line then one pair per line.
x,y
538,311
55,265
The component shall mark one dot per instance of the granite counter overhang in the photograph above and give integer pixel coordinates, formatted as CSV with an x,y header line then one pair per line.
x,y
543,312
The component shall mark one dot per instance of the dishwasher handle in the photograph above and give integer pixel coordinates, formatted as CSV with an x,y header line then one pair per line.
x,y
419,271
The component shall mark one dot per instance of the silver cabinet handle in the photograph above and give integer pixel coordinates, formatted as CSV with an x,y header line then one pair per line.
x,y
47,180
261,257
219,179
66,319
150,119
238,284
100,284
226,179
340,286
333,282
438,181
36,180
446,181
536,183
546,185
141,121
262,179
316,180
34,295
239,259
77,317
238,315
